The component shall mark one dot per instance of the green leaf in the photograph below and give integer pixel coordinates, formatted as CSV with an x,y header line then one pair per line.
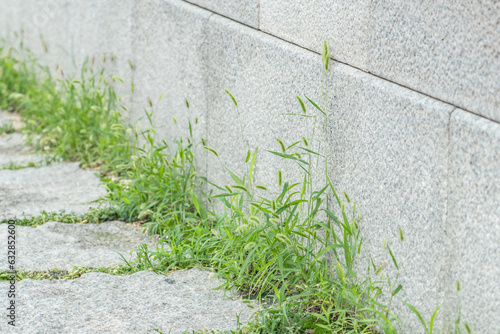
x,y
315,105
397,290
431,325
235,178
393,258
414,310
126,200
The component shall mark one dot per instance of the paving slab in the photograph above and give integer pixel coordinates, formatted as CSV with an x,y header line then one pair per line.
x,y
30,191
103,303
14,152
14,119
56,245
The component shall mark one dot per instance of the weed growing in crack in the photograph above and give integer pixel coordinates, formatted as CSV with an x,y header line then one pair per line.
x,y
294,250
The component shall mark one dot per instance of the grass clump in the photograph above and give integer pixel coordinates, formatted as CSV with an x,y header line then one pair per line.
x,y
75,119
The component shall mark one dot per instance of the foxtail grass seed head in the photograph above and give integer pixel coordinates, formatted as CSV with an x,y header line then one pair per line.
x,y
174,119
305,141
150,102
187,103
248,156
283,149
232,98
380,268
261,187
340,271
467,328
279,178
254,220
249,246
302,105
401,237
384,243
274,221
240,229
228,188
458,285
240,187
284,239
211,150
325,56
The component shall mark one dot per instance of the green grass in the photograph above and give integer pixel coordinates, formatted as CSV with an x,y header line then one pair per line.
x,y
93,216
295,250
76,272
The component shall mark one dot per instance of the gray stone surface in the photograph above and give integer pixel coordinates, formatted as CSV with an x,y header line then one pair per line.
x,y
13,151
450,51
9,18
10,118
47,20
170,61
51,188
345,25
55,245
244,11
103,29
447,50
256,69
388,150
474,219
102,303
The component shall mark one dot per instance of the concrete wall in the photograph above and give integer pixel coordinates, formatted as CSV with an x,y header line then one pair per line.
x,y
413,112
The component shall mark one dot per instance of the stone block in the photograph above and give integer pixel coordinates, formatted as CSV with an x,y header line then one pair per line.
x,y
45,26
244,11
169,40
264,75
27,192
345,25
474,218
388,151
184,301
62,246
9,18
450,51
